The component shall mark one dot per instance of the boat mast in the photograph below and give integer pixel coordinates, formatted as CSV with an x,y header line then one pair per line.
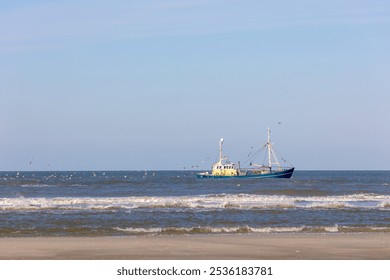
x,y
220,150
269,148
271,154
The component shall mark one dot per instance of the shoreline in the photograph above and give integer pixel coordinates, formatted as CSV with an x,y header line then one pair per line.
x,y
276,246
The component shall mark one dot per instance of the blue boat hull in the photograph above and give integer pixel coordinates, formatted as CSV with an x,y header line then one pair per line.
x,y
286,173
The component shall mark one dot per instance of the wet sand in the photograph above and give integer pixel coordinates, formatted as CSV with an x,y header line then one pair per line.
x,y
366,246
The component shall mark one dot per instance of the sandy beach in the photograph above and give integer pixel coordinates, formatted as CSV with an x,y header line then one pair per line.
x,y
367,246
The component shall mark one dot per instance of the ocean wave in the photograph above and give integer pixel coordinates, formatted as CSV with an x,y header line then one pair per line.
x,y
200,230
134,231
200,202
246,229
385,204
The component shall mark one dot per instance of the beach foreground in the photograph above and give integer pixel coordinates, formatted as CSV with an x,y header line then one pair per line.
x,y
265,246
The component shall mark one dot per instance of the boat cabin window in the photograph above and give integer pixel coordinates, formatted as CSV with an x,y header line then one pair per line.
x,y
224,167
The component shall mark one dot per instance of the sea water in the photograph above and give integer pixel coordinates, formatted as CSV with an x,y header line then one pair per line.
x,y
119,203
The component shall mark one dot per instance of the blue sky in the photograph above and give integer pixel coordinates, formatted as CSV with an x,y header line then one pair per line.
x,y
133,85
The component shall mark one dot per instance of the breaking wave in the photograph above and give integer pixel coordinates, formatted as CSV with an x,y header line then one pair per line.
x,y
133,231
200,202
249,230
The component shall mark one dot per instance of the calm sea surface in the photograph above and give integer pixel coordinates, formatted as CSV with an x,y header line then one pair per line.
x,y
176,202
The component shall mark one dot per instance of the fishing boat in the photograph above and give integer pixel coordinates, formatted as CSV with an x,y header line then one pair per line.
x,y
223,168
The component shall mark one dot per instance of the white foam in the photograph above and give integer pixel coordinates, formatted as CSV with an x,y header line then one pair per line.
x,y
334,228
192,230
200,202
385,204
247,229
140,230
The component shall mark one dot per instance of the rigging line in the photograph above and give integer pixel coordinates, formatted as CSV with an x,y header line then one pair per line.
x,y
254,136
265,157
253,156
282,157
